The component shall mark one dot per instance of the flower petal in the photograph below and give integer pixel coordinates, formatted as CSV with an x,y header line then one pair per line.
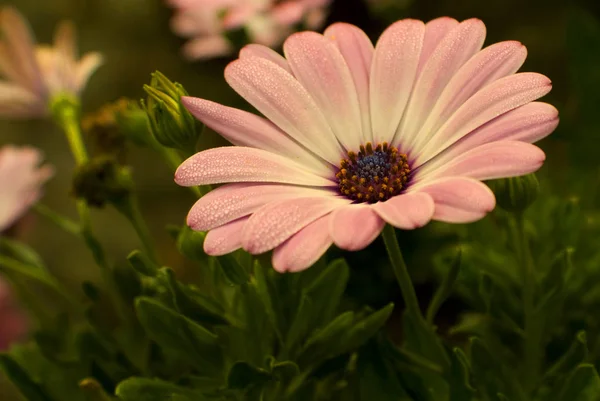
x,y
354,227
277,221
320,68
435,31
407,211
246,129
304,248
490,102
19,45
393,74
225,239
490,161
528,123
260,51
284,101
456,48
241,164
357,50
459,199
232,201
490,64
88,64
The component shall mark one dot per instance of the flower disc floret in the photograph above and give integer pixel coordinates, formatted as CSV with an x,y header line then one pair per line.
x,y
374,174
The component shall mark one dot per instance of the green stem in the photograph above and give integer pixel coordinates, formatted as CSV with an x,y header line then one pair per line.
x,y
131,210
61,221
532,340
408,291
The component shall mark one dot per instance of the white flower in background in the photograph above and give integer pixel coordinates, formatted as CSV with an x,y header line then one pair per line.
x,y
21,180
34,74
265,22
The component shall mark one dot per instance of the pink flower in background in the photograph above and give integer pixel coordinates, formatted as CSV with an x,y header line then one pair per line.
x,y
357,136
13,322
34,74
265,22
21,180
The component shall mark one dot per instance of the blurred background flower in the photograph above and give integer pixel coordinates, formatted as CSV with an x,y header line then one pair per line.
x,y
219,27
36,73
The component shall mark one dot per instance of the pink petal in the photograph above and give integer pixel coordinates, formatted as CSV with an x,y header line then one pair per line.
x,y
458,46
528,123
490,64
354,227
357,49
288,13
393,74
407,211
88,64
246,129
435,31
284,101
233,201
20,46
490,102
225,239
459,199
204,47
320,68
240,164
277,221
304,248
260,51
490,161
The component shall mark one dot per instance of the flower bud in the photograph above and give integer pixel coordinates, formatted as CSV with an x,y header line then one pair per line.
x,y
515,194
102,180
171,124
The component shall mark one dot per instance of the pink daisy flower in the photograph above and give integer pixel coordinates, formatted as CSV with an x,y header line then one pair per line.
x,y
13,322
358,136
265,22
35,74
21,180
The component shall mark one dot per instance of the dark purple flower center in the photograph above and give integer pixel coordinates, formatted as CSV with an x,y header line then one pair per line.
x,y
374,174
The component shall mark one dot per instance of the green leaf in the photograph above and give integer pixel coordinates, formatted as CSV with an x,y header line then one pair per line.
x,y
323,342
233,270
22,252
31,390
366,328
142,264
420,338
582,385
303,324
193,304
127,282
576,354
143,389
458,377
261,285
327,290
175,332
243,375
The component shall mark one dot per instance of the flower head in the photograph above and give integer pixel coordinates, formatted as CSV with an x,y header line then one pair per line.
x,y
21,180
14,322
267,22
35,74
358,135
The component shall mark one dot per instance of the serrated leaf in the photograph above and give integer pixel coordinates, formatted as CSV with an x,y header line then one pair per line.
x,y
302,324
323,342
143,389
420,338
175,332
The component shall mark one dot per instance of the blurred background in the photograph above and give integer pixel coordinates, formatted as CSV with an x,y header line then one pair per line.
x,y
562,37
